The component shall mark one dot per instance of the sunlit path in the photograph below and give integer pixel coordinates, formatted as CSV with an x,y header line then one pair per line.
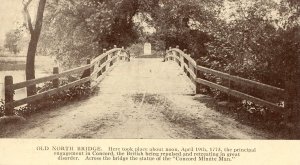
x,y
144,98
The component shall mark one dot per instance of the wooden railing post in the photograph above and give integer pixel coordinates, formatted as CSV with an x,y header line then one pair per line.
x,y
89,71
297,99
88,62
180,56
200,74
198,86
165,55
55,82
185,70
9,95
292,96
109,55
169,50
230,83
128,57
108,58
115,52
121,53
181,60
168,58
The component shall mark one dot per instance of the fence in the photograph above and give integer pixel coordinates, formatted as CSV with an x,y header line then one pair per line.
x,y
91,73
195,72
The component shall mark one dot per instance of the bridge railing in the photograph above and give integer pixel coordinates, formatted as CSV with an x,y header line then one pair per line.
x,y
91,73
195,72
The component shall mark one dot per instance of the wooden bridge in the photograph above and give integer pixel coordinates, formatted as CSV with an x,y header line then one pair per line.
x,y
196,74
140,98
91,73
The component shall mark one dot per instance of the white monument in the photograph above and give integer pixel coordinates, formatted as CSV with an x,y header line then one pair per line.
x,y
147,49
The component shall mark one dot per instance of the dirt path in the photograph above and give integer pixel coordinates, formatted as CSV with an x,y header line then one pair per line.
x,y
145,98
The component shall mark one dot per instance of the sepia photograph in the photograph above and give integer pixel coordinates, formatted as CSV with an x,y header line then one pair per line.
x,y
149,81
149,69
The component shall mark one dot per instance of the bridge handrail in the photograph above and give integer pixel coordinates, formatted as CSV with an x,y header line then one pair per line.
x,y
100,57
47,78
186,56
88,71
192,69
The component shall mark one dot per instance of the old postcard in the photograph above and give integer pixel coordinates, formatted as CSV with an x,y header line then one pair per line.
x,y
149,82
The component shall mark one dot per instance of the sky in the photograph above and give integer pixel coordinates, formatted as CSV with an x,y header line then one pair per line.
x,y
10,13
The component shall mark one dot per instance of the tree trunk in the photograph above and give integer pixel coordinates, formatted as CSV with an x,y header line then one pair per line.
x,y
30,64
35,34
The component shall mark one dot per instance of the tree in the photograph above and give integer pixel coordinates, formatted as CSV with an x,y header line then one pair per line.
x,y
12,39
35,32
247,40
81,29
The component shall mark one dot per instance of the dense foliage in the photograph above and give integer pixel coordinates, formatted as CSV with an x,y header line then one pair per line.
x,y
12,41
80,29
73,94
258,40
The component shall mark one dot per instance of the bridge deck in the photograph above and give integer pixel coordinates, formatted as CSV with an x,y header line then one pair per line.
x,y
144,98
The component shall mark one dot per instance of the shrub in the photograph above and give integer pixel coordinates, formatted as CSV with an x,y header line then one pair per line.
x,y
48,102
1,107
75,93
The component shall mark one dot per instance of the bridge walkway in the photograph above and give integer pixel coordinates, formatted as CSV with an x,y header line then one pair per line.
x,y
144,98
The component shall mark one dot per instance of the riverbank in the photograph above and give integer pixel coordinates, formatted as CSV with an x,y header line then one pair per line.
x,y
15,66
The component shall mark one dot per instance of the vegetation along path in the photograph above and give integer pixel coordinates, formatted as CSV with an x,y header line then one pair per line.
x,y
140,99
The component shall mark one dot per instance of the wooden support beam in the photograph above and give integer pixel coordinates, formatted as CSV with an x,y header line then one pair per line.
x,y
240,94
48,93
192,61
55,82
292,94
297,86
181,60
48,78
88,72
198,85
9,96
243,81
197,71
108,60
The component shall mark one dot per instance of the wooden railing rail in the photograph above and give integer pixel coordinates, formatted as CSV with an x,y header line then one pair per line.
x,y
242,81
91,73
48,78
193,71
